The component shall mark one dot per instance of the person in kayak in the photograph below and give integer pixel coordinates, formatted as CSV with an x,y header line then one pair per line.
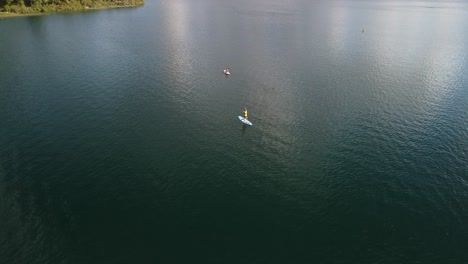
x,y
245,113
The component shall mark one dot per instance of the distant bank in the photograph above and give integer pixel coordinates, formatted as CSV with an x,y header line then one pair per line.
x,y
12,8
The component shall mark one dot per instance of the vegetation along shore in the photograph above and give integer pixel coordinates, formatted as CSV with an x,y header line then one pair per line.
x,y
33,7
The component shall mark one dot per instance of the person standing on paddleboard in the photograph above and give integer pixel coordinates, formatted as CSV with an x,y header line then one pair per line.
x,y
245,113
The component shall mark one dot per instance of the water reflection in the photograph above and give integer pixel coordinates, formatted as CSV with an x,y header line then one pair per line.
x,y
178,36
338,28
426,45
446,55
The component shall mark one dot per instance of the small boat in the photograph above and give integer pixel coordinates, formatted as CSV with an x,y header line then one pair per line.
x,y
226,71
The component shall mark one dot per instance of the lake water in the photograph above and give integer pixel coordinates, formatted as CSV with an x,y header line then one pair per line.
x,y
120,143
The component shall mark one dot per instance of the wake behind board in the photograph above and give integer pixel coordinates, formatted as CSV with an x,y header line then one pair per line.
x,y
245,121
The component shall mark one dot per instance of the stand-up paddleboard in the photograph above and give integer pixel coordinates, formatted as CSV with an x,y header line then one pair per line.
x,y
245,121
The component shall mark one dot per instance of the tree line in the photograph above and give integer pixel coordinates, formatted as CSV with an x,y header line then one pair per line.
x,y
37,6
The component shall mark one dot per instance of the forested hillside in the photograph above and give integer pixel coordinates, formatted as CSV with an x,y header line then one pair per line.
x,y
37,6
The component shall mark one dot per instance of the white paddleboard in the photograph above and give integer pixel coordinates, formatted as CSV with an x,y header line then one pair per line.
x,y
245,121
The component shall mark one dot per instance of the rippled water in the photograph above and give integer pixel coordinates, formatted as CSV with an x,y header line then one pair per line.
x,y
120,141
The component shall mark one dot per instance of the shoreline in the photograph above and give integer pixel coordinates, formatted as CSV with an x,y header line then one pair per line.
x,y
12,15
